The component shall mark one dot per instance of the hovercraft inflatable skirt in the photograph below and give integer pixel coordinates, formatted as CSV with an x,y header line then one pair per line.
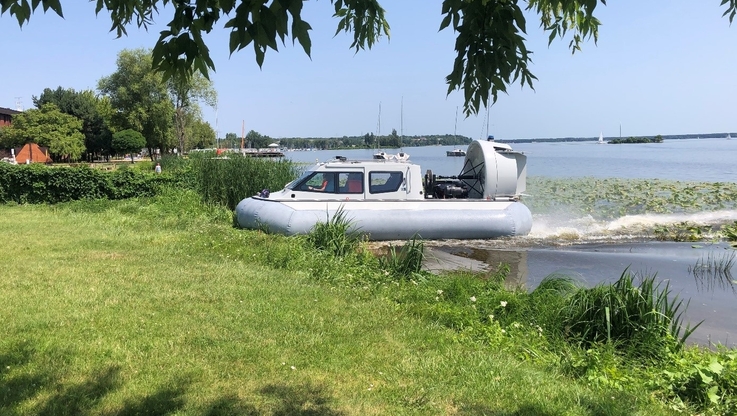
x,y
392,220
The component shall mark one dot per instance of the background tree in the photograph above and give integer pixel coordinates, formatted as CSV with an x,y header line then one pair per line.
x,y
392,140
187,90
48,127
369,140
200,135
128,141
87,107
256,140
491,52
140,100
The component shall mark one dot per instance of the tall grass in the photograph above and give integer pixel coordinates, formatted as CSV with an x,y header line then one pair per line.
x,y
405,260
228,181
644,320
337,235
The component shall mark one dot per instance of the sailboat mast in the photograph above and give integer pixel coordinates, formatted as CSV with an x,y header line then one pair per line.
x,y
401,123
378,127
401,119
455,127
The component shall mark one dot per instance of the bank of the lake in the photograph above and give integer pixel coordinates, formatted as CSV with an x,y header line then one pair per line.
x,y
162,307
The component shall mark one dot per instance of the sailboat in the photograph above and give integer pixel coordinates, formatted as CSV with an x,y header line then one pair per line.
x,y
380,154
402,155
456,152
729,137
601,139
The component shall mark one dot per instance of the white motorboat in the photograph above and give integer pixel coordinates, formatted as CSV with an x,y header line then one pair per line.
x,y
393,200
456,152
401,156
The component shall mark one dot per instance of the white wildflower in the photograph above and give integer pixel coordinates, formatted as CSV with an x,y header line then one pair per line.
x,y
503,303
473,298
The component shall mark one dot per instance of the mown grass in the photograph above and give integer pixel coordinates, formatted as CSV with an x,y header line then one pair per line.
x,y
159,306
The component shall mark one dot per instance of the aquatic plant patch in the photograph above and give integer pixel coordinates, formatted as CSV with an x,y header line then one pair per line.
x,y
612,198
664,210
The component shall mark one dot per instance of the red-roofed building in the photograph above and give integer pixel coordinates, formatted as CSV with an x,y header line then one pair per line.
x,y
6,116
32,153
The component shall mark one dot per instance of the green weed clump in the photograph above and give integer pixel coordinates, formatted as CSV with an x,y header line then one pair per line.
x,y
336,236
643,320
707,382
406,260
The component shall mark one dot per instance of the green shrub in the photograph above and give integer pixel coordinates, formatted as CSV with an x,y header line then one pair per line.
x,y
40,184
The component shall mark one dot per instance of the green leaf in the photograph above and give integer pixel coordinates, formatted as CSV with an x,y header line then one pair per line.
x,y
712,394
446,22
716,367
704,378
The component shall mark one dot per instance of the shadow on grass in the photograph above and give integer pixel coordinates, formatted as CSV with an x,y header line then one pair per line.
x,y
305,401
26,387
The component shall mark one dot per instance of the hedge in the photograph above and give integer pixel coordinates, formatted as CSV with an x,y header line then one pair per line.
x,y
40,184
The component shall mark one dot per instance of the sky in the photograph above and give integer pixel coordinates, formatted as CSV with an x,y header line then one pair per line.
x,y
657,68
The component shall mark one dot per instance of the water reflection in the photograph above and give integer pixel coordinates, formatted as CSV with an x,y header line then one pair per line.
x,y
714,272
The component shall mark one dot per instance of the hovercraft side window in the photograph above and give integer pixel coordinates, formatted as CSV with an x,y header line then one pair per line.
x,y
382,182
318,182
331,182
350,182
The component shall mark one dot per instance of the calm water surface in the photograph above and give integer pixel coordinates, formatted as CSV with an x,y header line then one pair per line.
x,y
708,160
713,296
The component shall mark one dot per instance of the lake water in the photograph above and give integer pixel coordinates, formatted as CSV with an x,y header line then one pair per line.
x,y
709,160
713,296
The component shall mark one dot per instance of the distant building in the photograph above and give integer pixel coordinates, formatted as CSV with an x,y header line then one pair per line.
x,y
32,153
6,116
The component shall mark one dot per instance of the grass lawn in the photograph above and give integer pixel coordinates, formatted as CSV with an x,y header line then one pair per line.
x,y
160,306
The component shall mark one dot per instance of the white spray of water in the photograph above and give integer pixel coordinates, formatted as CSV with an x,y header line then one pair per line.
x,y
629,226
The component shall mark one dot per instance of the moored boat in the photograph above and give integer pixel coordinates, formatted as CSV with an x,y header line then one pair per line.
x,y
393,200
456,152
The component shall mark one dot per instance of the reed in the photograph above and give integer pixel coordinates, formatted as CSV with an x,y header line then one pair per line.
x,y
714,270
228,181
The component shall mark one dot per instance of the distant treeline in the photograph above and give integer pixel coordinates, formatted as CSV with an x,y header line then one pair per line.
x,y
392,141
610,139
656,139
372,141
